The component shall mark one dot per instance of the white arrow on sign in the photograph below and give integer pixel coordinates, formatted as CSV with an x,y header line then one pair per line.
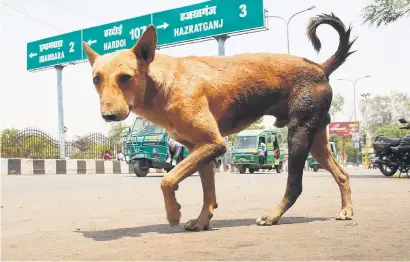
x,y
163,26
90,42
31,55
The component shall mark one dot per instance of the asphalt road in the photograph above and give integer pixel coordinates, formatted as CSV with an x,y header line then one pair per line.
x,y
120,217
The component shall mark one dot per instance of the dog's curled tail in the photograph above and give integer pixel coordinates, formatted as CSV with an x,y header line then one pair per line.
x,y
345,44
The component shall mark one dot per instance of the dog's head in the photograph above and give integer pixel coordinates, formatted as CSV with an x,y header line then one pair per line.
x,y
120,77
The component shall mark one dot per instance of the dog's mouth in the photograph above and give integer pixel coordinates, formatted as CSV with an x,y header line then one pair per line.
x,y
129,111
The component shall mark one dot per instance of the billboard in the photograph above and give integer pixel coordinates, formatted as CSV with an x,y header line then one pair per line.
x,y
343,128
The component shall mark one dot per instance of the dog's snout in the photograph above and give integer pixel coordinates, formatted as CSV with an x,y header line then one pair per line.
x,y
109,116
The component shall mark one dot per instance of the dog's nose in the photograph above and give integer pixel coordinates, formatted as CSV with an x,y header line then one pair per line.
x,y
109,117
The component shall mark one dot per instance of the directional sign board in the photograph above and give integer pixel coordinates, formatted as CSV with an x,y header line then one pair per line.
x,y
114,36
209,19
174,27
54,50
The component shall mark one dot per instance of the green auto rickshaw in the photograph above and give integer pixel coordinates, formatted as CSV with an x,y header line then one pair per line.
x,y
245,153
145,146
315,165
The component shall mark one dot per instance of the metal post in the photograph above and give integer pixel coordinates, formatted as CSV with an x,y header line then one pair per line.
x,y
221,44
288,21
354,101
221,52
354,108
61,131
287,35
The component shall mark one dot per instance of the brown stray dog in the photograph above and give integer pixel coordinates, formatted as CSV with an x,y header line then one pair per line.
x,y
199,100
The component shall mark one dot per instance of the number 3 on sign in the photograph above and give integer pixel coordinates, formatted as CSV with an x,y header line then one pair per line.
x,y
244,12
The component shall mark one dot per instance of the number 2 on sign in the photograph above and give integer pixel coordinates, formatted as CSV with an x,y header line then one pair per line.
x,y
244,12
71,47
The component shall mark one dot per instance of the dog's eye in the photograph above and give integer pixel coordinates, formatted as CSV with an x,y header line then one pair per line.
x,y
96,80
124,78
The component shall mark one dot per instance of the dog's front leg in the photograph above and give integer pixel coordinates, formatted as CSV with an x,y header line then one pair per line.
x,y
200,158
207,174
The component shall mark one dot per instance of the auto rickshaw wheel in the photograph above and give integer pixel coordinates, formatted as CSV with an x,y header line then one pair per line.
x,y
140,169
242,169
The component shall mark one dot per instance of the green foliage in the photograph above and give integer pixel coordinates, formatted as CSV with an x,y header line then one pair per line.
x,y
391,131
338,102
116,130
401,104
385,11
284,132
27,146
338,142
35,144
380,112
95,150
256,125
350,154
386,110
82,143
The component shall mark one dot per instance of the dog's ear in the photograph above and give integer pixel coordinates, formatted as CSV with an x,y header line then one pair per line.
x,y
145,47
91,54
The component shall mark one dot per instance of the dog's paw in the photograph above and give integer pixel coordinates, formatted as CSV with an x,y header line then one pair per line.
x,y
266,221
173,219
195,225
345,214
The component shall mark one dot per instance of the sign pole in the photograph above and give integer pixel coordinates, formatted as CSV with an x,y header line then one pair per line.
x,y
344,149
61,131
221,52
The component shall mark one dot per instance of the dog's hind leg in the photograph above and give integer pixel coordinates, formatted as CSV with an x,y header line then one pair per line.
x,y
321,152
300,137
207,174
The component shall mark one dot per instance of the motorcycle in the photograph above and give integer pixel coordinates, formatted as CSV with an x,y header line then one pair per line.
x,y
393,154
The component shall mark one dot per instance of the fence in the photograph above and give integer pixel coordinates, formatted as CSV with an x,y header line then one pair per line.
x,y
37,144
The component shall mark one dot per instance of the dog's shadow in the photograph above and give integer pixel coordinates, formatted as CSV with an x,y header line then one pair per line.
x,y
114,234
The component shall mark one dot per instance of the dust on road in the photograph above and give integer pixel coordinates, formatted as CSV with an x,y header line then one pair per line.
x,y
118,217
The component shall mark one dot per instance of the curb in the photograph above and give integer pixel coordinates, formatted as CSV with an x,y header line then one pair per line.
x,y
22,166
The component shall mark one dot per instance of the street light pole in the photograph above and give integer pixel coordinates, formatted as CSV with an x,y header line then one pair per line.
x,y
288,21
354,106
354,92
366,152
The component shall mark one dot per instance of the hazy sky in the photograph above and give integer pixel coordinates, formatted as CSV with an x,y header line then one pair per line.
x,y
30,99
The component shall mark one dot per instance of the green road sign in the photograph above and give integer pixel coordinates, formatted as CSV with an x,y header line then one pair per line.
x,y
114,36
54,50
176,26
211,18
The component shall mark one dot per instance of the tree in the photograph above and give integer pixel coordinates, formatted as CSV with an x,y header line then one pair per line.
x,y
391,131
256,125
401,105
385,11
116,130
82,143
284,132
338,142
338,102
380,112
